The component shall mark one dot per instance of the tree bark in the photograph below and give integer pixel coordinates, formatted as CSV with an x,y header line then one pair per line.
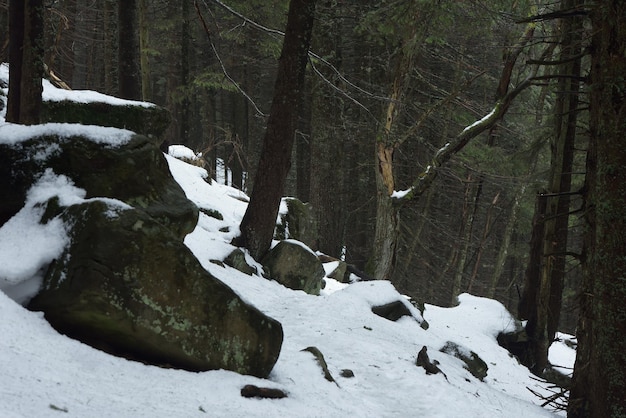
x,y
144,44
26,66
128,50
599,380
545,301
16,39
257,225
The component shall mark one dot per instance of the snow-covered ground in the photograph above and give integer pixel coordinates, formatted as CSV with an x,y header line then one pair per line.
x,y
45,374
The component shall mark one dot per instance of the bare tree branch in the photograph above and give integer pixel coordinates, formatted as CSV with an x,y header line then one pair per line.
x,y
313,55
219,59
425,179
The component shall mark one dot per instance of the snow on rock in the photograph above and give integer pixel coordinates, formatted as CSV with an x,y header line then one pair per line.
x,y
182,152
28,245
13,133
52,93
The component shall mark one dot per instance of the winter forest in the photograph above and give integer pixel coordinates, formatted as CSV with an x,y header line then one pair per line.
x,y
449,147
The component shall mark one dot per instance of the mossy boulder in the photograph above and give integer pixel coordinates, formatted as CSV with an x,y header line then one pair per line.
x,y
295,266
298,223
237,260
149,120
340,273
128,286
135,173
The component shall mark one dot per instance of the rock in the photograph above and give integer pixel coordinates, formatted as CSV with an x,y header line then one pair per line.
x,y
135,173
295,266
340,273
151,121
518,344
251,391
237,260
473,363
346,373
431,367
392,311
128,286
298,223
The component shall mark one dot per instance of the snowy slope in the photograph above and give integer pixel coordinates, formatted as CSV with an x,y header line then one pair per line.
x,y
45,374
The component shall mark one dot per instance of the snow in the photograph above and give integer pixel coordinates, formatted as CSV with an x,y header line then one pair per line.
x,y
28,245
46,374
52,93
182,152
13,134
478,122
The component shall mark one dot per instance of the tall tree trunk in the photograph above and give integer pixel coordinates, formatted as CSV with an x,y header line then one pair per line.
x,y
545,309
472,195
383,260
144,44
16,39
110,57
506,241
26,67
4,34
128,50
599,381
303,147
257,225
185,40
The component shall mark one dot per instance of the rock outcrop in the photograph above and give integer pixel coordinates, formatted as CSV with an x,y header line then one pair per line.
x,y
295,266
126,283
148,120
128,286
298,223
135,173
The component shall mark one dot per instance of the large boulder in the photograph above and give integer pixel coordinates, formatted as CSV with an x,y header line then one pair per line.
x,y
295,266
297,222
142,118
126,283
135,173
128,286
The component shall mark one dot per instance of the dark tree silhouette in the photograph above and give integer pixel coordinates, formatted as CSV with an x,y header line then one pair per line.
x,y
257,226
599,381
26,68
128,50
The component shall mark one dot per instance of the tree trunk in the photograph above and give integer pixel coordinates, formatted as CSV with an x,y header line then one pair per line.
x,y
506,241
4,34
144,44
382,263
110,58
257,225
472,195
185,40
16,39
303,147
128,49
26,66
543,322
599,381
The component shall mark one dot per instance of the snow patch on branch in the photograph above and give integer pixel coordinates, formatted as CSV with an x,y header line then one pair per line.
x,y
479,122
400,194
